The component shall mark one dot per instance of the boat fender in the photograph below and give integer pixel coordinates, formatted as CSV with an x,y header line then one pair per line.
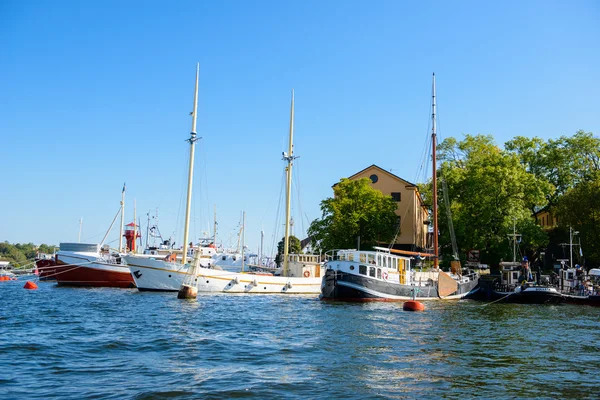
x,y
306,274
289,285
236,280
255,282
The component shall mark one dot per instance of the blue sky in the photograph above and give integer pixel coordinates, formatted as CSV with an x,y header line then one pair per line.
x,y
97,93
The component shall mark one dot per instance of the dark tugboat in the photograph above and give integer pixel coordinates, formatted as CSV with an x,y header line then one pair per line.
x,y
516,286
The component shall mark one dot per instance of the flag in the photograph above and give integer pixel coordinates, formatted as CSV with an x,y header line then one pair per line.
x,y
123,188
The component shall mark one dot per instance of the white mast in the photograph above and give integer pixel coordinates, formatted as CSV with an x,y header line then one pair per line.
x,y
80,224
243,238
289,157
434,160
262,238
215,228
134,243
122,219
192,141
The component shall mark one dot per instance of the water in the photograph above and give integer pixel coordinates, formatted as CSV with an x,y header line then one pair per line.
x,y
115,344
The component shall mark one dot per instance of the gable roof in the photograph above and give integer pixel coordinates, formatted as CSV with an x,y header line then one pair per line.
x,y
384,171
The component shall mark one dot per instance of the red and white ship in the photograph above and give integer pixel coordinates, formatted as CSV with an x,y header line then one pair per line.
x,y
94,265
83,264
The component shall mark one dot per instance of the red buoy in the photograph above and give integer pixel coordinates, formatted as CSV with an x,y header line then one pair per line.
x,y
412,305
30,285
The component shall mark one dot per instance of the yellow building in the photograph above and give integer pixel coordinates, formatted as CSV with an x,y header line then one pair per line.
x,y
411,212
546,219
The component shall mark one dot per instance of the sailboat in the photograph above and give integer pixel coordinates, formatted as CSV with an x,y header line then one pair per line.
x,y
386,274
154,272
91,264
301,273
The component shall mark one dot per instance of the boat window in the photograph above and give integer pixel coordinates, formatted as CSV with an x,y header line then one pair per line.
x,y
372,271
363,257
378,259
371,258
395,264
351,257
378,273
352,268
224,258
362,269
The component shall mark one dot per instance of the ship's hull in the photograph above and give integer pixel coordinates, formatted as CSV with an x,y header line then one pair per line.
x,y
531,295
592,300
48,270
85,272
151,274
341,286
216,281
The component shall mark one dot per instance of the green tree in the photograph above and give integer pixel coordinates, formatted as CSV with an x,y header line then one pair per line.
x,y
563,162
356,210
489,190
293,248
579,208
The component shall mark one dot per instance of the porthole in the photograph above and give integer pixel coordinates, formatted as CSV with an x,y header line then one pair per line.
x,y
352,268
206,281
169,276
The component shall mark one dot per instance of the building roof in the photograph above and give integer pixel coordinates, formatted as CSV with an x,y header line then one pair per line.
x,y
384,171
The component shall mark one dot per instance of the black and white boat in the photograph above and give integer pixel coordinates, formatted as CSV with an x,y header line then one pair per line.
x,y
380,275
385,275
515,286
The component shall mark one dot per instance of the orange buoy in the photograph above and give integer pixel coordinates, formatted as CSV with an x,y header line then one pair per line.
x,y
413,306
30,285
4,278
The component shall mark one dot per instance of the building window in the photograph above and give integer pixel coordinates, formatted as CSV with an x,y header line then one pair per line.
x,y
396,196
374,178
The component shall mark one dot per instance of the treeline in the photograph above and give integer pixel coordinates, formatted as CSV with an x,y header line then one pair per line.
x,y
493,190
21,254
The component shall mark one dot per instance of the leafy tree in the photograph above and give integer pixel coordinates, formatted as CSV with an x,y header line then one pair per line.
x,y
293,248
356,210
563,162
580,208
21,254
489,191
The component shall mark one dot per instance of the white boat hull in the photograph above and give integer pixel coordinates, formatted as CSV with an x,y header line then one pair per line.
x,y
151,274
216,281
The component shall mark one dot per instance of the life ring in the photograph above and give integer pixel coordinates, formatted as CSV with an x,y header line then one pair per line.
x,y
306,274
384,275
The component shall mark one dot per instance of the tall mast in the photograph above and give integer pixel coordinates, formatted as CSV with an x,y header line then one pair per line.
x,y
215,228
147,228
434,160
289,157
134,247
80,225
192,141
570,247
262,238
243,238
122,219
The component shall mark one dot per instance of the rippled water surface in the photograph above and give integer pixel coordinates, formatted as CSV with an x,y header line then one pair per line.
x,y
114,343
